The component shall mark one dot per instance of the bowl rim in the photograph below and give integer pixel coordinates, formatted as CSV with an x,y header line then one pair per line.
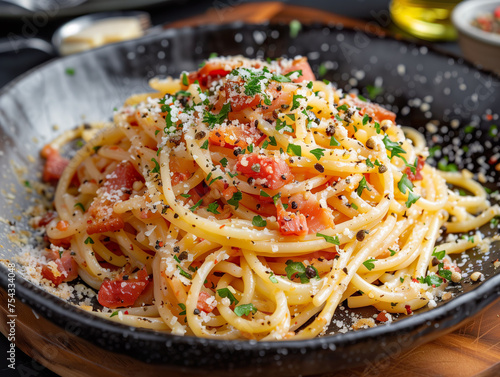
x,y
463,14
482,295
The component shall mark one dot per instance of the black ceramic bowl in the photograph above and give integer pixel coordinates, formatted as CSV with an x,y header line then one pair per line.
x,y
428,90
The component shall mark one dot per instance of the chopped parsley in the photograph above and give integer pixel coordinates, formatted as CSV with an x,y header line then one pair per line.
x,y
318,153
362,185
329,239
198,203
374,91
225,292
183,308
235,200
295,102
212,207
406,185
156,169
273,279
187,275
185,80
80,205
369,264
295,149
443,165
431,280
212,119
204,145
334,142
114,313
438,254
258,221
369,163
366,119
302,272
89,241
393,147
70,71
245,309
223,162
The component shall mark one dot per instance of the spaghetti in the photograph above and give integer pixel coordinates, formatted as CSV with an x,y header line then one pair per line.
x,y
248,200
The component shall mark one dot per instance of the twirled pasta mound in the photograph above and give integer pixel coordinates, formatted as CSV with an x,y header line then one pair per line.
x,y
247,200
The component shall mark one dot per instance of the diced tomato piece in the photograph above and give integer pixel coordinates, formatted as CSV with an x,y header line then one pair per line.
x,y
497,12
382,317
210,72
122,292
234,92
377,112
47,218
60,242
274,171
317,218
182,169
122,178
236,136
54,164
418,171
301,64
229,192
59,268
202,302
408,309
291,223
101,224
119,184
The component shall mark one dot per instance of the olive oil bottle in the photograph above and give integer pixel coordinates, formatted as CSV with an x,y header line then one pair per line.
x,y
426,19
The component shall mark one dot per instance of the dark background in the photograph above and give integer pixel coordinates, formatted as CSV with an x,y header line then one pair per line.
x,y
15,64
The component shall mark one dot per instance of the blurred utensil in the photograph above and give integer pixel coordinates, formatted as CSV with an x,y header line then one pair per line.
x,y
43,5
71,28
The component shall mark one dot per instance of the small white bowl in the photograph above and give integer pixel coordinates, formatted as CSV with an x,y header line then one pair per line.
x,y
478,46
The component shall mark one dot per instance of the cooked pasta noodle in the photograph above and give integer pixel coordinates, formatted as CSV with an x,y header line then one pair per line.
x,y
248,200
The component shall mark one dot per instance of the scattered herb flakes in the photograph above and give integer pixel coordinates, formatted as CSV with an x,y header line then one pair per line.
x,y
273,279
369,264
235,199
80,205
374,91
183,308
438,254
295,149
334,142
245,309
204,145
213,119
295,102
212,207
393,147
114,313
258,221
318,153
89,240
329,239
444,165
70,71
187,275
225,292
156,169
362,185
198,203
